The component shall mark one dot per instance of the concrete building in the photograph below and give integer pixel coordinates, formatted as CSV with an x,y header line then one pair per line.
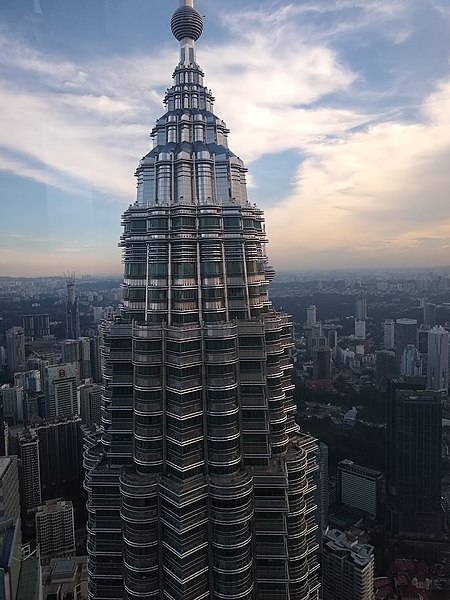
x,y
13,404
360,330
55,530
15,349
361,309
10,558
65,579
359,487
90,402
429,314
29,472
321,363
9,488
405,334
347,567
61,391
311,316
438,359
389,334
36,327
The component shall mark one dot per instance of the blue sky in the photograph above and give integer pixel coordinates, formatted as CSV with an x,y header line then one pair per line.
x,y
340,108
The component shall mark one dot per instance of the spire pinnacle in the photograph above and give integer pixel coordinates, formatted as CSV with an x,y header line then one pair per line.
x,y
187,27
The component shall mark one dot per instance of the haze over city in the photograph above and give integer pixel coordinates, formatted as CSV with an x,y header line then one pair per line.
x,y
339,109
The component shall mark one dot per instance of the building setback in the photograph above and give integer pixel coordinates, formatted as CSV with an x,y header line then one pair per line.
x,y
202,486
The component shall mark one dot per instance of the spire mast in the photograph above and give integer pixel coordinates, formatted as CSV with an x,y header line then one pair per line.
x,y
187,27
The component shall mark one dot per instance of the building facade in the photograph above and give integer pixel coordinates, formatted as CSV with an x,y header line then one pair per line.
x,y
437,368
61,391
405,334
388,334
55,530
359,487
30,472
203,486
9,488
15,349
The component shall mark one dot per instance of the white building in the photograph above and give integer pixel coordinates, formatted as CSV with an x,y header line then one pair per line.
x,y
55,531
90,402
61,391
311,316
359,487
360,330
347,567
437,371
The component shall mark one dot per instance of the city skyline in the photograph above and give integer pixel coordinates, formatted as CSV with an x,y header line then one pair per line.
x,y
343,126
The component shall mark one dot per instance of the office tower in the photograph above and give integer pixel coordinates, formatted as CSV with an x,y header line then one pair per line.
x,y
322,495
405,333
411,362
13,404
414,438
96,365
347,567
61,391
385,366
202,486
10,558
36,327
311,316
333,341
389,334
437,370
429,314
321,363
359,487
90,402
360,330
361,309
29,472
29,380
78,352
55,531
73,330
15,349
60,457
9,488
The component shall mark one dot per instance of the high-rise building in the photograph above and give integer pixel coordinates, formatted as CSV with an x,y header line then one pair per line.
x,y
29,472
203,485
322,363
322,493
360,330
73,330
385,366
10,558
61,391
361,309
389,334
405,333
78,352
13,403
9,488
90,402
347,567
414,439
96,365
438,356
411,361
36,327
429,314
333,341
359,487
15,349
311,316
55,530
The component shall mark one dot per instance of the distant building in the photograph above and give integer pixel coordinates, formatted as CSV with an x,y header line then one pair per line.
x,y
405,334
414,438
361,309
36,327
73,330
385,366
55,531
30,380
9,488
360,330
29,473
10,558
389,334
429,314
311,316
333,341
321,363
347,567
438,359
65,578
359,487
13,404
61,391
411,362
90,402
15,349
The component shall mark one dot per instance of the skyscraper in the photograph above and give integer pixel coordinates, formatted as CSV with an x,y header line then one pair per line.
x,y
202,486
311,316
437,370
388,334
414,438
361,309
15,349
72,311
405,333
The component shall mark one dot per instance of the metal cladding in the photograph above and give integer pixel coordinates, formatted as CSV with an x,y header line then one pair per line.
x,y
187,23
201,485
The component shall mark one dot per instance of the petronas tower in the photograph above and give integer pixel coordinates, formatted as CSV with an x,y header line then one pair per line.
x,y
201,485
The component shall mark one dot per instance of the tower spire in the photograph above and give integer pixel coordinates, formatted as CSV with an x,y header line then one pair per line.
x,y
187,27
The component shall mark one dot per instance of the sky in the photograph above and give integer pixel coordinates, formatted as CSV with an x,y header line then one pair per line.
x,y
340,109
